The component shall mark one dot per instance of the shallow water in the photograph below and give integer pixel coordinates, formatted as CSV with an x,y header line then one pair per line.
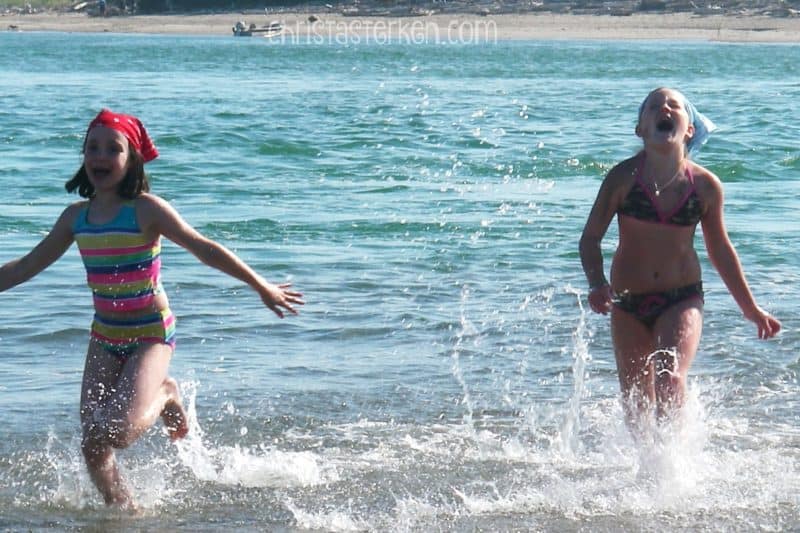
x,y
444,374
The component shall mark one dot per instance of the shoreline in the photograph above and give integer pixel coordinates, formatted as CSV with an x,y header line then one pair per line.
x,y
463,27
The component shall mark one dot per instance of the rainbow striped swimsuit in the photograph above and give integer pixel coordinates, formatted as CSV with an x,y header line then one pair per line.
x,y
123,270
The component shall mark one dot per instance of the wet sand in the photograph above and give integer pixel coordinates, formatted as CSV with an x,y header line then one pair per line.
x,y
467,27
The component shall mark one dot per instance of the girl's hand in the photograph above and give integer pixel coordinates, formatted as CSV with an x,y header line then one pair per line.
x,y
600,299
768,325
277,296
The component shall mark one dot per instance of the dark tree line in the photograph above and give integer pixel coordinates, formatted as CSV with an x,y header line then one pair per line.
x,y
162,6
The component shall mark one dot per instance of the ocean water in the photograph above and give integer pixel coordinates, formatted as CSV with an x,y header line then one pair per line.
x,y
427,198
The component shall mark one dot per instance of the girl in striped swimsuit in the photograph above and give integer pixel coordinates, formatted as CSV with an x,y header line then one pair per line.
x,y
118,229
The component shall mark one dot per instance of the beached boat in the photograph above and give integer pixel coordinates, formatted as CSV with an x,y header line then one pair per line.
x,y
241,29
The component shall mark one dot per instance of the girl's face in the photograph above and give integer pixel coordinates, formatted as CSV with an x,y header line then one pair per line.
x,y
105,158
664,119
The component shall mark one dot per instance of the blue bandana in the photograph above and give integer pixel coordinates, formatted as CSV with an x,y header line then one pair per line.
x,y
702,127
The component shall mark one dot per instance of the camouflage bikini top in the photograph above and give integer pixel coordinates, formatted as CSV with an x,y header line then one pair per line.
x,y
640,203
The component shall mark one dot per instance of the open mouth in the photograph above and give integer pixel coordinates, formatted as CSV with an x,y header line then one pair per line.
x,y
100,173
665,125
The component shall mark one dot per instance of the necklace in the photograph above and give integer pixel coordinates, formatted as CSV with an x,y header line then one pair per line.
x,y
658,189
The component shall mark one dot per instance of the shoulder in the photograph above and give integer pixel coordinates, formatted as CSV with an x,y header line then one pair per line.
x,y
150,205
709,189
707,184
620,178
156,215
76,207
73,211
624,172
151,210
65,226
148,200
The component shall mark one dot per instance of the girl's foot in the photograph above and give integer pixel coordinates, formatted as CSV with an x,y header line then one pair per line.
x,y
173,415
128,507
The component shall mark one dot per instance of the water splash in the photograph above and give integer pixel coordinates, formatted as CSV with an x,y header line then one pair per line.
x,y
568,437
261,466
467,330
334,520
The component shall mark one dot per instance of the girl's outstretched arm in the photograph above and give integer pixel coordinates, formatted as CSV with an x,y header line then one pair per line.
x,y
43,255
723,256
158,217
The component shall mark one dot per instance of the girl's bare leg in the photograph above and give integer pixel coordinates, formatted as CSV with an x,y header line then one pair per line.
x,y
100,375
633,346
677,333
119,402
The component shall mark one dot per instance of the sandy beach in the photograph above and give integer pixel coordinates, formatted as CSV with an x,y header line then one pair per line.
x,y
447,27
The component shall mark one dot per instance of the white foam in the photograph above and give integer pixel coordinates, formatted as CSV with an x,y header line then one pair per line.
x,y
333,521
259,466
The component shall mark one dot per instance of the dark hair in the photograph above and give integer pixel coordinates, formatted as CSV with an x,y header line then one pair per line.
x,y
132,185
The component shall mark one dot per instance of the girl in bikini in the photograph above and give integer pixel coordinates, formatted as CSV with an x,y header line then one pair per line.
x,y
118,229
656,295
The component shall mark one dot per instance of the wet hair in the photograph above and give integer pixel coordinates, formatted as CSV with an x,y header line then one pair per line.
x,y
132,185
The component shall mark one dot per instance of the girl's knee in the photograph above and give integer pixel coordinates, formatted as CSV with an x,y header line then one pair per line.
x,y
127,431
121,439
95,452
669,383
667,365
123,433
118,435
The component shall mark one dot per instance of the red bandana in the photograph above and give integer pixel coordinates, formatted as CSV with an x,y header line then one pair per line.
x,y
131,127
